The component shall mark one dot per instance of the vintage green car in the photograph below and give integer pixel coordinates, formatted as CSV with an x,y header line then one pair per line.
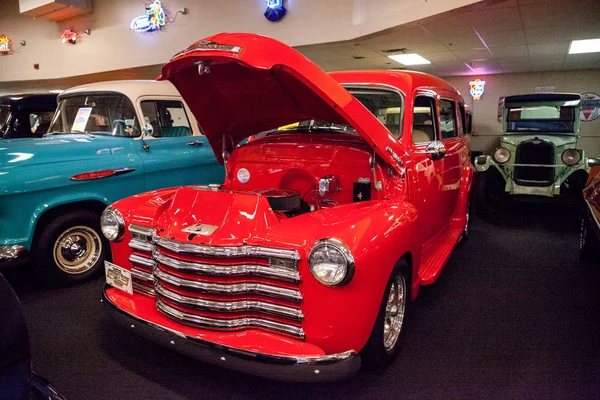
x,y
538,154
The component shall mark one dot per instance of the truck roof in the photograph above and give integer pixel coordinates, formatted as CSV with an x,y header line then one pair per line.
x,y
524,98
131,88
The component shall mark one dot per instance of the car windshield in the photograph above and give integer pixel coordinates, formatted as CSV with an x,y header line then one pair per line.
x,y
541,118
4,114
383,104
98,114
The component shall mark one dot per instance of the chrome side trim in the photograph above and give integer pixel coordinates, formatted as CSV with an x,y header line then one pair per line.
x,y
272,271
141,245
143,261
230,251
229,289
227,324
229,306
142,275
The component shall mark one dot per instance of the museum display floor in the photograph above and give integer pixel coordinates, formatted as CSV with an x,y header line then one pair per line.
x,y
515,314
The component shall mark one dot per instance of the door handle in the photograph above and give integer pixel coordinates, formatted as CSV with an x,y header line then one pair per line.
x,y
195,143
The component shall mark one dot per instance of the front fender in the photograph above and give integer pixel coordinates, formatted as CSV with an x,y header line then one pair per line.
x,y
378,235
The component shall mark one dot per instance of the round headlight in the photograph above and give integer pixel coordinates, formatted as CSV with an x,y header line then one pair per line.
x,y
331,262
501,155
112,224
571,157
243,175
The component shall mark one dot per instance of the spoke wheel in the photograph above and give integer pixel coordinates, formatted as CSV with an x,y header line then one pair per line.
x,y
77,250
394,312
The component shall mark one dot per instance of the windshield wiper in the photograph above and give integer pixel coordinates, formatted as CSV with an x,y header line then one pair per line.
x,y
333,129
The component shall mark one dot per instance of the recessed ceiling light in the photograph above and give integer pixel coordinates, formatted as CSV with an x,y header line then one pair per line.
x,y
409,59
584,46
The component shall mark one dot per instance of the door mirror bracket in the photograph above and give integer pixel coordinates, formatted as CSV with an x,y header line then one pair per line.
x,y
436,150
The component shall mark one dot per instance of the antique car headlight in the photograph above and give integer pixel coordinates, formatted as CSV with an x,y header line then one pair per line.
x,y
501,155
112,224
331,262
571,157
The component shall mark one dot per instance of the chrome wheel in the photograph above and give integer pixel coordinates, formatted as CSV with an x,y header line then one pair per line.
x,y
394,312
77,249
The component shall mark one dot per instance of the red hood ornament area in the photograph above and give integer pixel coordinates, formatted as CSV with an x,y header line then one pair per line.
x,y
351,193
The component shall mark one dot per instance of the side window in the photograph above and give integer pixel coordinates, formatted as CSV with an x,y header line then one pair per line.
x,y
463,124
469,118
39,122
424,120
167,117
448,119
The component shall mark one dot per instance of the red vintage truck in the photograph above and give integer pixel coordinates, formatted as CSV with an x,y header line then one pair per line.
x,y
301,265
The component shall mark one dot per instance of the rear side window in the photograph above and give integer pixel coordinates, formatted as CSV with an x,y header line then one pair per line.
x,y
424,120
463,122
448,119
167,118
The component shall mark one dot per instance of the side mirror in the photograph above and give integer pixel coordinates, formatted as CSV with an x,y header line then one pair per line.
x,y
147,130
436,149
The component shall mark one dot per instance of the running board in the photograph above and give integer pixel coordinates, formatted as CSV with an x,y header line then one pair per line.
x,y
437,251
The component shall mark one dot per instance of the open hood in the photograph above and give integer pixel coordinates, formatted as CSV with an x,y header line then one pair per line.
x,y
238,85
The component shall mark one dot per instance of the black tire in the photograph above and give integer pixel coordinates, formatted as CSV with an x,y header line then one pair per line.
x,y
589,248
467,231
376,354
57,265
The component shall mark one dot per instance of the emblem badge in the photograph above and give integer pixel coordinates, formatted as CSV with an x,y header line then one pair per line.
x,y
200,229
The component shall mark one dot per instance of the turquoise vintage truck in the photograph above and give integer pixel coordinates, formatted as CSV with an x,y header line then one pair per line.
x,y
538,153
106,141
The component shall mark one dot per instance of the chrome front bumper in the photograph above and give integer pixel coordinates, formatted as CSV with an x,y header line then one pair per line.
x,y
8,253
285,368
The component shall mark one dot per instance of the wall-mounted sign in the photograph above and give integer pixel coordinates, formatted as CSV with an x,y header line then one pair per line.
x,y
4,44
154,19
545,89
477,89
69,36
590,107
275,10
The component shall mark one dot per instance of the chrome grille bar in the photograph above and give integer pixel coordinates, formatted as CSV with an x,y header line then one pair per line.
x,y
229,251
143,289
141,230
228,324
273,271
229,289
141,245
229,306
142,275
143,261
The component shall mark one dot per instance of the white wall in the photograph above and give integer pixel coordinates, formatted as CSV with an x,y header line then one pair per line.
x,y
485,111
113,46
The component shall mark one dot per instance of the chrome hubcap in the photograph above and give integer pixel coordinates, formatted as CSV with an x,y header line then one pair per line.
x,y
77,250
394,312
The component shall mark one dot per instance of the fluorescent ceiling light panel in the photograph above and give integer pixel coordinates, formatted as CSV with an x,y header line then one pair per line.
x,y
409,59
584,46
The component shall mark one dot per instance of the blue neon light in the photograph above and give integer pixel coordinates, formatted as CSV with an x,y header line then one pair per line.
x,y
275,10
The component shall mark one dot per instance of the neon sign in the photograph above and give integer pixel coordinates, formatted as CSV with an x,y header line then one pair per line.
x,y
477,88
154,19
275,10
69,35
4,44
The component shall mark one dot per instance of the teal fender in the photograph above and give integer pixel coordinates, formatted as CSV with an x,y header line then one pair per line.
x,y
39,175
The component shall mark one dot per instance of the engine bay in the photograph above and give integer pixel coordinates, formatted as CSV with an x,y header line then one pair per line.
x,y
304,176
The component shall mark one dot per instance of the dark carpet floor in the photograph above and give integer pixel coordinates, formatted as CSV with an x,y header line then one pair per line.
x,y
514,315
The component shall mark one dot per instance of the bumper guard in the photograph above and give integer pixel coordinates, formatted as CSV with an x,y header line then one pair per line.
x,y
8,253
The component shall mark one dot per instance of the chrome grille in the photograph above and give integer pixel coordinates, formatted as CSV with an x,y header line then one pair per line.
x,y
220,288
535,154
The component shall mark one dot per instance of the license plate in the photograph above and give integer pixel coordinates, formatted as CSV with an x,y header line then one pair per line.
x,y
118,277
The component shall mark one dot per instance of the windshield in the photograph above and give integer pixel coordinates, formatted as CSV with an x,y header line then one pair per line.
x,y
98,114
4,114
383,104
545,118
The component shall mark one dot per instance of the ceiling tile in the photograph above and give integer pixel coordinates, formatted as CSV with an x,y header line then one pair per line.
x,y
509,51
504,38
465,42
548,49
502,19
549,34
586,31
547,63
470,55
577,61
549,13
513,62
